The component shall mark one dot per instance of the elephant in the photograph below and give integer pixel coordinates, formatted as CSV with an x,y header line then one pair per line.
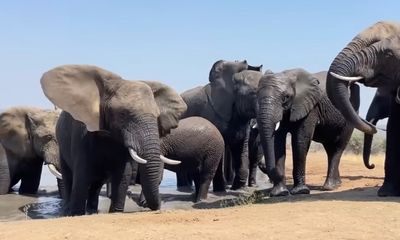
x,y
106,122
379,109
372,58
293,102
199,146
216,103
27,135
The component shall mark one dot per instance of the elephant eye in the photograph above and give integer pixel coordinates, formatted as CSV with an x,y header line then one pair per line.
x,y
285,98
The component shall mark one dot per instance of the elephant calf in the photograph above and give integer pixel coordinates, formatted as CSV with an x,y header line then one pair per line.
x,y
199,146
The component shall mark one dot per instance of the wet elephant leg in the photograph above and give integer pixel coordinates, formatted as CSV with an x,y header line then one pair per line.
x,y
240,155
120,180
301,140
391,184
219,184
184,181
280,189
31,177
334,153
93,197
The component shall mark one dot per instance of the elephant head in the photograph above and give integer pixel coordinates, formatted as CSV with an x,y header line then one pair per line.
x,y
135,113
288,96
221,84
29,133
371,58
379,109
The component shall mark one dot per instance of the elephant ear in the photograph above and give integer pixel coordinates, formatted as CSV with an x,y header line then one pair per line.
x,y
170,104
308,94
76,89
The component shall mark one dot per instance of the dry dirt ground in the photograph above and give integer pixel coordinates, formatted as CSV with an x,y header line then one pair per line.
x,y
351,212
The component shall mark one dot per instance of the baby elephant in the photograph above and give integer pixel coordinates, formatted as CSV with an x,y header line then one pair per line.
x,y
199,146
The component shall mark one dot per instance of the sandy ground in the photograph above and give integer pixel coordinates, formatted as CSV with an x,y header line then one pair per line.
x,y
351,212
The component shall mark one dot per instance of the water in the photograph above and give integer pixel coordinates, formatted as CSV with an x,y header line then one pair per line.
x,y
48,205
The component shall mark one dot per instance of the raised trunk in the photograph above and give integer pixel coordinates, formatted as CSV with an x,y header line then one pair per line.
x,y
346,64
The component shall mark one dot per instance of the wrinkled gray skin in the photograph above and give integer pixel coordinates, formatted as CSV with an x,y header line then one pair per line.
x,y
216,102
104,116
373,55
199,146
379,109
28,137
295,100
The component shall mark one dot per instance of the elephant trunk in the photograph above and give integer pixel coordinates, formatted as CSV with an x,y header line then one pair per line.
x,y
4,173
143,137
367,147
346,64
267,120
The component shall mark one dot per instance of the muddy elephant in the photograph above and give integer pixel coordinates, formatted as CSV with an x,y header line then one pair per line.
x,y
372,58
216,103
379,109
294,102
27,135
109,119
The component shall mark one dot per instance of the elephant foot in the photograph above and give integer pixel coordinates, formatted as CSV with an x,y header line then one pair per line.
x,y
238,185
91,211
389,190
300,189
219,189
252,183
331,184
279,190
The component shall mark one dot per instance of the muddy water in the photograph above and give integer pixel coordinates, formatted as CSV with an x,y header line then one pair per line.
x,y
47,204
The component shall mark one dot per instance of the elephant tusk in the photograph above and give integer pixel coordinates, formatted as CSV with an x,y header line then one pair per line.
x,y
277,126
136,157
255,126
169,161
349,79
54,171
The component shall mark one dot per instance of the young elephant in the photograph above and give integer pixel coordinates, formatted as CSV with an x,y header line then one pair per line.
x,y
199,146
27,135
107,118
294,101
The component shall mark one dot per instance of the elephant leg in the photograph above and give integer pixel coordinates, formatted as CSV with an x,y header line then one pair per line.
x,y
92,202
197,183
119,186
31,178
391,183
219,184
254,156
67,182
229,172
61,188
240,155
301,141
334,153
279,188
184,181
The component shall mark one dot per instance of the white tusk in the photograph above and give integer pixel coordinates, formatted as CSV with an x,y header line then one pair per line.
x,y
255,126
169,161
349,79
136,157
54,171
277,126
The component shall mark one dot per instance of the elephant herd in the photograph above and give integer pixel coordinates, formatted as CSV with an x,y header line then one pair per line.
x,y
115,130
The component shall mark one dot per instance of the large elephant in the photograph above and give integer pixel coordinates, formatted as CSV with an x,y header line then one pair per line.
x,y
216,102
27,135
372,58
294,102
379,109
107,120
